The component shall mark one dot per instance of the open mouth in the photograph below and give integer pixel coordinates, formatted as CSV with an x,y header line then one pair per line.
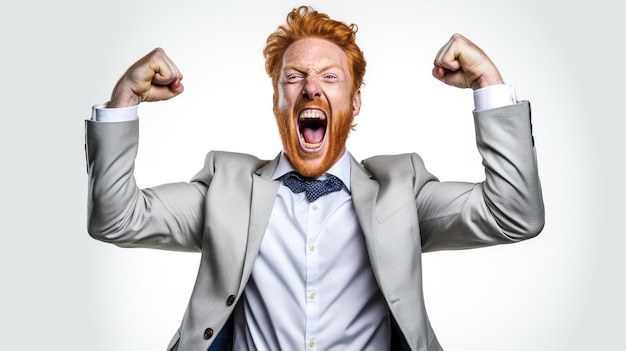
x,y
312,125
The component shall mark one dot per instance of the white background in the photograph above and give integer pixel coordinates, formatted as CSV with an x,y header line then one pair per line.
x,y
62,290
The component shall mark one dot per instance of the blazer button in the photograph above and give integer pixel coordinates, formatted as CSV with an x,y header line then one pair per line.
x,y
230,300
208,333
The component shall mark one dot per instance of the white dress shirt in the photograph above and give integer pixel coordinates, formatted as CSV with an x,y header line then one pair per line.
x,y
312,286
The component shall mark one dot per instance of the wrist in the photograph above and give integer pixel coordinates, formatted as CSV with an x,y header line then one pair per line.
x,y
487,81
117,102
121,98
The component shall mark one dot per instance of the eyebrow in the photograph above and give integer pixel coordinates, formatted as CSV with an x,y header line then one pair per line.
x,y
323,69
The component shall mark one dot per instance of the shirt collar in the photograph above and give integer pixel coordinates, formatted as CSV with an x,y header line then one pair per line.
x,y
341,169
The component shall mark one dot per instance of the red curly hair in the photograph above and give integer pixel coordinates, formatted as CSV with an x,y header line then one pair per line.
x,y
305,22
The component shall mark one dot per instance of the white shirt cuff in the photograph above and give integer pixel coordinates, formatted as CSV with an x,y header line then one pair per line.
x,y
494,96
101,113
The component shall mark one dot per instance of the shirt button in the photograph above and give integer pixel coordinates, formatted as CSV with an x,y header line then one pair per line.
x,y
312,248
208,333
230,300
311,343
314,207
313,295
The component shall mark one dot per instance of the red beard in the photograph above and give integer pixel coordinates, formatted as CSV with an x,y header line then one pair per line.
x,y
337,128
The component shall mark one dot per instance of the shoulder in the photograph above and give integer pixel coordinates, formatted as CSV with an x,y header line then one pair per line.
x,y
393,165
230,164
394,169
235,159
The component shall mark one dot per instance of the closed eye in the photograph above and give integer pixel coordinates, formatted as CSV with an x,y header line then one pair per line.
x,y
293,77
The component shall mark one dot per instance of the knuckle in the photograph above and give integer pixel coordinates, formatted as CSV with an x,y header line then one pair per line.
x,y
158,54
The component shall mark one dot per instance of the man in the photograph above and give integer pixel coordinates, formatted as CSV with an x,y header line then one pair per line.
x,y
313,250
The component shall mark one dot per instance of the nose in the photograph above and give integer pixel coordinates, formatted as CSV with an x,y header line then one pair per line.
x,y
311,89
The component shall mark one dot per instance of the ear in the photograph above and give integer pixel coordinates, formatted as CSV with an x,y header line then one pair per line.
x,y
356,102
274,103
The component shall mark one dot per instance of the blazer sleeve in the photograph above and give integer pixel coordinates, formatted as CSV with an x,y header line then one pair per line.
x,y
168,216
506,207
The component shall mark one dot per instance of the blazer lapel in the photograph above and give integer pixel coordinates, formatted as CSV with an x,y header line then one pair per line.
x,y
264,191
364,193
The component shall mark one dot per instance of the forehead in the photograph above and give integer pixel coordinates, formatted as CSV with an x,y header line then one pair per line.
x,y
314,53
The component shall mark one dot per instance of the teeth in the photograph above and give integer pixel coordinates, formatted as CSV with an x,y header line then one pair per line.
x,y
310,146
309,114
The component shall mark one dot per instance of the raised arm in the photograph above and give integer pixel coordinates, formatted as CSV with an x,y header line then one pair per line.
x,y
166,217
508,205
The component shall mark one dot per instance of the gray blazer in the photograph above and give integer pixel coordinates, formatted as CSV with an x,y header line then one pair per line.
x,y
403,211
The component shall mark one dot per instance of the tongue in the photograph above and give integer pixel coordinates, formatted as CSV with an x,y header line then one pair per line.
x,y
313,136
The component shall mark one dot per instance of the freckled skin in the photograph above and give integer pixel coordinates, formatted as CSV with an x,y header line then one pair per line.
x,y
315,74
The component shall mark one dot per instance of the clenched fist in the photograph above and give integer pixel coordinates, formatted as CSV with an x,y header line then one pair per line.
x,y
462,64
153,78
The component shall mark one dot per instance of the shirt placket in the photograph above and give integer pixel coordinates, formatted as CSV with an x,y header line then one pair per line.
x,y
313,228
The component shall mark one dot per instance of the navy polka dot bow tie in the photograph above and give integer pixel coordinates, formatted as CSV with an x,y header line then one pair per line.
x,y
314,188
